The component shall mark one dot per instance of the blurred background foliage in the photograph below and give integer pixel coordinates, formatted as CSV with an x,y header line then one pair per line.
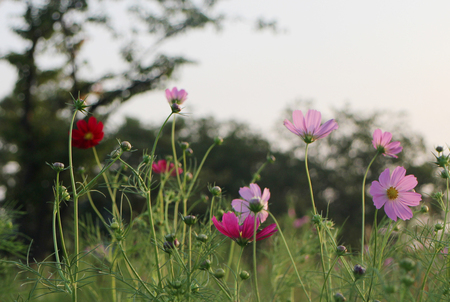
x,y
35,122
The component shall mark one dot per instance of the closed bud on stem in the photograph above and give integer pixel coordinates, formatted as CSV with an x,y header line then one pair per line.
x,y
271,159
63,193
170,246
407,264
317,219
244,275
218,140
215,191
438,227
189,151
58,167
341,250
184,145
338,297
189,175
205,265
424,209
442,161
190,220
170,237
219,273
407,280
202,237
256,204
125,146
439,149
358,271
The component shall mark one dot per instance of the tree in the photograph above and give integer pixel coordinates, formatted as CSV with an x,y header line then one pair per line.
x,y
36,111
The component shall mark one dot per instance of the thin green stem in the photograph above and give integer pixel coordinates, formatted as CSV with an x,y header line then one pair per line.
x,y
230,259
255,271
309,180
237,281
108,185
290,255
153,235
375,231
328,275
363,215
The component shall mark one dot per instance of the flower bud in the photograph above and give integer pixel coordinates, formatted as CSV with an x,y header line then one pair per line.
x,y
397,228
338,297
341,250
125,146
407,280
358,271
189,175
317,219
218,140
170,237
63,193
407,264
424,209
437,196
205,265
256,176
271,159
177,284
58,167
390,289
81,170
244,275
439,149
195,288
219,273
205,198
190,220
202,237
146,158
438,227
442,161
169,246
114,225
189,151
175,108
184,145
215,191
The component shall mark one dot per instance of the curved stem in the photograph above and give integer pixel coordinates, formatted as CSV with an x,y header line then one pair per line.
x,y
255,272
237,281
309,180
290,256
363,224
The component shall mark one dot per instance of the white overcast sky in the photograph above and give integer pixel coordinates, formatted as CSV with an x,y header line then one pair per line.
x,y
375,55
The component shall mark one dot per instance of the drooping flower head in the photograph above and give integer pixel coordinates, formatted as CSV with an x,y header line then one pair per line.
x,y
242,234
253,203
88,134
396,193
308,127
382,143
161,167
176,97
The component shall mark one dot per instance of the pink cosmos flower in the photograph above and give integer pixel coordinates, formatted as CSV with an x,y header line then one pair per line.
x,y
161,168
396,193
299,222
176,97
308,127
242,234
254,203
382,142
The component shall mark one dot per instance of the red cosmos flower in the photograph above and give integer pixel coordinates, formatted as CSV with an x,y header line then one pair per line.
x,y
161,168
88,134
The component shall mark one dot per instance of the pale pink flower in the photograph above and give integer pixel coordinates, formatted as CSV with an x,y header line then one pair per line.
x,y
176,97
242,234
253,203
299,222
396,193
308,127
382,142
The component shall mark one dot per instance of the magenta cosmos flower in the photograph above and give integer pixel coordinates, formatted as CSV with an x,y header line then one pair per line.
x,y
396,193
308,127
88,134
254,203
161,167
242,234
176,97
382,142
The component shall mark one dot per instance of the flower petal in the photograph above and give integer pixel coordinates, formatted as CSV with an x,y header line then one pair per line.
x,y
266,232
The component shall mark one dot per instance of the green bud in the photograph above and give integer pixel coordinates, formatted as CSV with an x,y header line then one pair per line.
x,y
58,167
189,151
244,275
358,271
190,220
341,250
317,219
437,196
202,237
438,227
338,297
170,237
125,146
175,108
271,159
168,246
114,225
424,209
215,191
407,264
390,289
205,265
218,140
219,273
439,149
407,280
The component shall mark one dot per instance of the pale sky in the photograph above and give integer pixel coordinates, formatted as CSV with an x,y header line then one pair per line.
x,y
374,55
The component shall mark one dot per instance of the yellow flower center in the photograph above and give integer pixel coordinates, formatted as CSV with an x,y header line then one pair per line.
x,y
88,136
392,193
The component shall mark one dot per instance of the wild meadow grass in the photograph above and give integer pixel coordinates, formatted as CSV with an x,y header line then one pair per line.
x,y
236,250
